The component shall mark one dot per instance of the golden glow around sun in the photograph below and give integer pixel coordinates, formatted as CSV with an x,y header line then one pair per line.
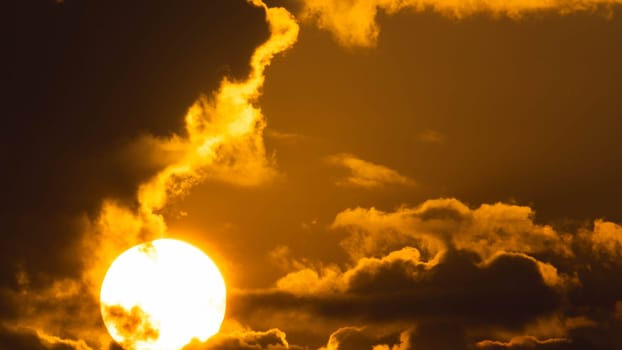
x,y
162,294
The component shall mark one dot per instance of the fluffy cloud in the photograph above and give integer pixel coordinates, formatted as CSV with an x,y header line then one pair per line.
x,y
607,238
438,224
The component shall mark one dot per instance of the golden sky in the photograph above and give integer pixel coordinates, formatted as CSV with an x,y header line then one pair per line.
x,y
367,174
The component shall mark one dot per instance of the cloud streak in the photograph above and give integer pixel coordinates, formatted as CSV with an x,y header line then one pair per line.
x,y
366,174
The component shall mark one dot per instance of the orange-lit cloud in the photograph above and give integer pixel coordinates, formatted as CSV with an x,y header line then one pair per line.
x,y
437,223
441,274
523,342
273,339
404,344
607,239
509,287
367,174
354,23
223,141
331,279
339,336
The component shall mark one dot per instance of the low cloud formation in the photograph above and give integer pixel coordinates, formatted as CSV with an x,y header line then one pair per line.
x,y
19,338
354,23
246,339
404,344
349,338
366,174
488,277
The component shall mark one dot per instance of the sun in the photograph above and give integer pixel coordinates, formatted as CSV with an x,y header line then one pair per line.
x,y
161,295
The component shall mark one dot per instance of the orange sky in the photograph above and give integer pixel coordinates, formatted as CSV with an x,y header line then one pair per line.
x,y
367,174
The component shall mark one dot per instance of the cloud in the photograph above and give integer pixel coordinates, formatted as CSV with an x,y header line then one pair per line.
x,y
367,174
224,132
607,239
133,326
338,338
452,275
353,22
273,339
75,121
331,279
431,136
524,342
404,344
20,338
437,224
222,139
285,137
460,276
352,338
508,292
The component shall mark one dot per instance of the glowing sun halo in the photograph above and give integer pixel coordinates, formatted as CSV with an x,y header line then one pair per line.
x,y
162,294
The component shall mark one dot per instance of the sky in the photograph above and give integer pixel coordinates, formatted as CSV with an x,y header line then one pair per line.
x,y
367,174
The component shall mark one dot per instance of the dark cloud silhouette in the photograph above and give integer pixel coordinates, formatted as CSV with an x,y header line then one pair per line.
x,y
132,325
468,292
24,339
507,293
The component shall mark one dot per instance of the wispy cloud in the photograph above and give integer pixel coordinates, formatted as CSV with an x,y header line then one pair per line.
x,y
285,137
367,174
431,136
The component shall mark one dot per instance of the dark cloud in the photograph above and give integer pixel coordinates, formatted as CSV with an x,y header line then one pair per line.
x,y
481,285
23,339
132,325
508,293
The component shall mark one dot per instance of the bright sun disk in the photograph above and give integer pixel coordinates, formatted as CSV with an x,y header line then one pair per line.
x,y
162,294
